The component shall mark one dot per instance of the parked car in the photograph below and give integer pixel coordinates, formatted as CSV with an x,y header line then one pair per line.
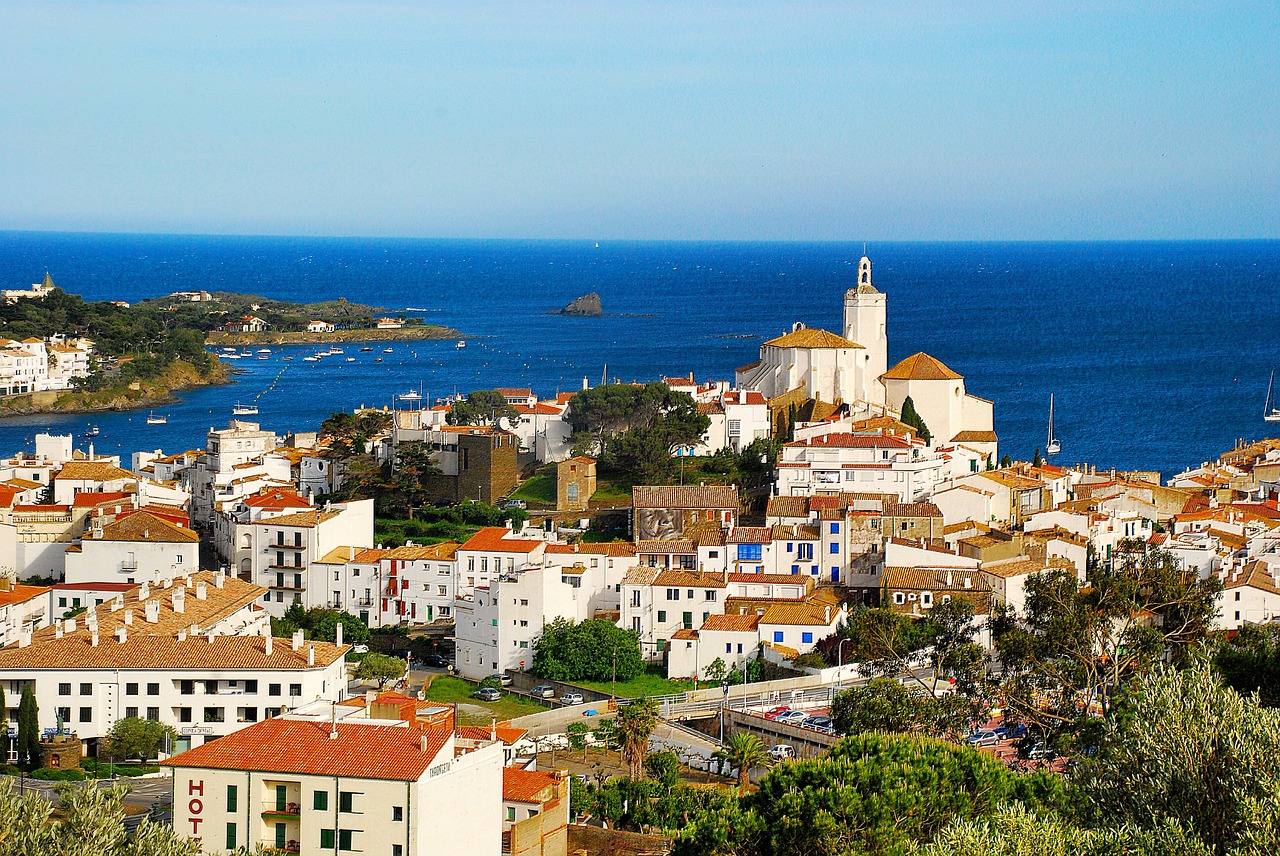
x,y
781,752
487,694
775,712
435,661
986,737
515,503
792,717
543,691
821,723
571,698
1015,731
503,679
1036,751
360,649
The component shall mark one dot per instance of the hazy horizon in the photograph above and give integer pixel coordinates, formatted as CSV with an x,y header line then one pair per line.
x,y
577,121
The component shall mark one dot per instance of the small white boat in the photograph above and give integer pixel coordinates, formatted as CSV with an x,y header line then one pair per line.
x,y
387,350
92,431
229,350
335,351
246,353
366,348
286,359
1052,447
410,396
351,359
244,410
312,359
157,419
264,356
264,350
462,343
1270,412
377,359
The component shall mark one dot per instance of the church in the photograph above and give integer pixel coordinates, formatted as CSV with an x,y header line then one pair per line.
x,y
850,370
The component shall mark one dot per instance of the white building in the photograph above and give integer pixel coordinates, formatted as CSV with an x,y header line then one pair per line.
x,y
322,784
23,609
843,463
140,546
286,550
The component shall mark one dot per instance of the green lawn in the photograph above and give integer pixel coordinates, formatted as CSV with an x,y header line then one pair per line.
x,y
450,690
393,533
650,683
540,488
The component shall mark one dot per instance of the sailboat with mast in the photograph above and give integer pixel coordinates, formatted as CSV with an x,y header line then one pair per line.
x,y
1270,412
1052,446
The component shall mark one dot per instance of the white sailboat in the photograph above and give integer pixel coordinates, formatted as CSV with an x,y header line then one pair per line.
x,y
1052,446
1270,412
157,419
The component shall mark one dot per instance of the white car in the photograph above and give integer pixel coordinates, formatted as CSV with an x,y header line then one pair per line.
x,y
571,698
360,649
792,717
782,752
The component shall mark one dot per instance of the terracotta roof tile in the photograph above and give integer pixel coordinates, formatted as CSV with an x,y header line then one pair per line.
x,y
921,366
685,496
496,539
527,786
731,623
810,338
91,471
689,579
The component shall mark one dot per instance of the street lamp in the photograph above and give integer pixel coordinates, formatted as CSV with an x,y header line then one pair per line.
x,y
840,662
724,688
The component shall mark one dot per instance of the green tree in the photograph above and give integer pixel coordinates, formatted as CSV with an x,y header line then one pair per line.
x,y
592,650
874,793
1249,662
1076,645
577,733
663,768
29,754
322,625
635,723
632,428
1014,831
1005,461
482,407
380,668
715,670
914,419
744,751
881,704
1183,748
143,739
1036,460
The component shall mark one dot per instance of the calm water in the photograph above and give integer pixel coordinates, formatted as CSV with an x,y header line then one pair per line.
x,y
1158,352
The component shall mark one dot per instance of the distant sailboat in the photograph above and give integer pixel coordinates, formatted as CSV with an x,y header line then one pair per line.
x,y
244,410
157,419
1052,447
1270,412
462,343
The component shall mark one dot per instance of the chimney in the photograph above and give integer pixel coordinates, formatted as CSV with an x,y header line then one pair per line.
x,y
493,728
210,637
122,634
152,611
219,579
297,639
182,635
968,582
826,615
117,602
24,637
337,634
194,629
57,630
369,697
311,654
165,582
69,625
202,591
128,617
351,554
93,637
179,598
422,742
144,591
268,644
187,580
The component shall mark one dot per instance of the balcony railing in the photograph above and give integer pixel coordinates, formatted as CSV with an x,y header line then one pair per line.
x,y
269,547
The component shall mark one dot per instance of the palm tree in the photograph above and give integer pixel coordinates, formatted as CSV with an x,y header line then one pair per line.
x,y
635,723
744,751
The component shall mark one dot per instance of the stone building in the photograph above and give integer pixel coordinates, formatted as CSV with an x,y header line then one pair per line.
x,y
575,483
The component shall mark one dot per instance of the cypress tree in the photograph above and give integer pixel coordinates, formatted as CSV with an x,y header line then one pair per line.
x,y
28,730
912,418
1037,460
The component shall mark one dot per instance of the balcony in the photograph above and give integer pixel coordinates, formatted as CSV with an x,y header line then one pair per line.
x,y
287,811
276,567
269,547
287,586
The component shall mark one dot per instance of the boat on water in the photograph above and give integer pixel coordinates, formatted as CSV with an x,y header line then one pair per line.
x,y
92,431
387,350
286,359
264,356
311,359
1052,446
244,410
335,351
377,359
157,419
229,350
1270,412
462,343
411,395
264,350
246,353
366,348
231,356
351,359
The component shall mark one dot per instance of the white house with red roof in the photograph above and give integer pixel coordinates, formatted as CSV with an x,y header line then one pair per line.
x,y
870,462
138,546
23,609
737,417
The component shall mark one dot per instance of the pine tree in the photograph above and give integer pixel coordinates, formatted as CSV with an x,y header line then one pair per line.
x,y
1006,461
1036,460
28,730
912,418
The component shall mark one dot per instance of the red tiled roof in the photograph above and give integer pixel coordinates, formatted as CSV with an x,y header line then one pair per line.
x,y
88,499
300,747
496,539
508,734
520,785
21,594
853,441
277,499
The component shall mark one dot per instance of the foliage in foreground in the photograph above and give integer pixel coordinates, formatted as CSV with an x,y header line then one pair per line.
x,y
591,650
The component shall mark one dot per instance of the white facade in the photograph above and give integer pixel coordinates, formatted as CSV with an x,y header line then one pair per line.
x,y
867,463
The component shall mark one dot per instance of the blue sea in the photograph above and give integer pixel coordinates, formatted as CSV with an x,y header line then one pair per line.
x,y
1158,353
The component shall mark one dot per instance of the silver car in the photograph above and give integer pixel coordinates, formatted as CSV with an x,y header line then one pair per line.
x,y
572,698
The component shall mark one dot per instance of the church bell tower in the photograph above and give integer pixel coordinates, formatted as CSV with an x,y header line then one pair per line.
x,y
865,312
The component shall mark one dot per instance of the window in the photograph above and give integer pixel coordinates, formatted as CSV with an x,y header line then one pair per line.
x,y
231,798
926,599
273,689
835,529
687,620
326,839
214,714
320,800
806,637
251,686
184,714
835,546
295,689
673,594
344,839
777,636
64,689
231,836
511,813
662,616
131,713
397,813
750,552
153,689
186,687
397,850
899,598
153,714
86,714
65,713
345,799
130,689
86,689
804,552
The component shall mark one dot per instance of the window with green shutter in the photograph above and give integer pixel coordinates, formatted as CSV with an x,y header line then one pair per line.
x,y
280,836
231,798
345,800
344,839
320,800
231,836
326,839
282,797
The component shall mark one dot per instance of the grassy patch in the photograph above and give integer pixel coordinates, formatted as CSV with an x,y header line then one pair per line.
x,y
448,689
540,488
651,683
393,533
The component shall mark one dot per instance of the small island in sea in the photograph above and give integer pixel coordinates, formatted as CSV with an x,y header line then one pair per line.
x,y
62,354
588,305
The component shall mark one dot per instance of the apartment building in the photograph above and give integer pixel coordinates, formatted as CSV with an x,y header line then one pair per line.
x,y
23,609
137,546
881,462
287,549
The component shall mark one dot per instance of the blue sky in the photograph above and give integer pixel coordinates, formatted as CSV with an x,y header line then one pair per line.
x,y
708,120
